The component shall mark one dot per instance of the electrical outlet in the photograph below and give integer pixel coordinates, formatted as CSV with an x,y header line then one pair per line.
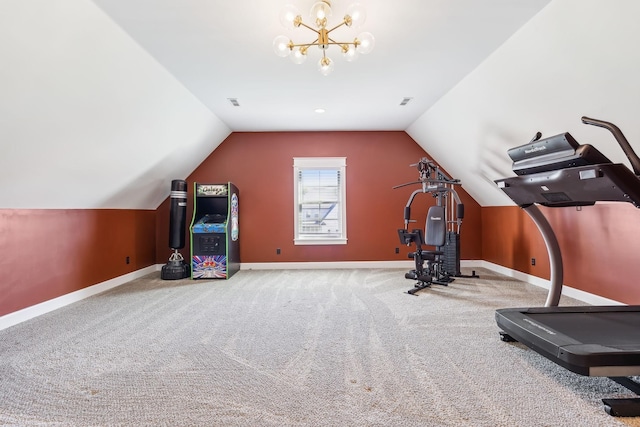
x,y
397,250
278,251
128,260
533,261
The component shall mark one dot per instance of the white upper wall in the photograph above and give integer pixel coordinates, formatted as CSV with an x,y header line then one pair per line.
x,y
575,58
88,119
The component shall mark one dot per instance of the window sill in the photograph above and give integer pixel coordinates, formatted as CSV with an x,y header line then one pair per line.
x,y
320,241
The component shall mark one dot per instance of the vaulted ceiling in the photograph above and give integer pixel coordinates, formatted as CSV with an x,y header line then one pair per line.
x,y
223,49
104,101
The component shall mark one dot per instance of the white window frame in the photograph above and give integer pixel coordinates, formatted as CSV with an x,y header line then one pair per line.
x,y
338,164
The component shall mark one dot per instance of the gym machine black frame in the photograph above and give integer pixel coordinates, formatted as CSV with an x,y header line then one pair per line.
x,y
442,270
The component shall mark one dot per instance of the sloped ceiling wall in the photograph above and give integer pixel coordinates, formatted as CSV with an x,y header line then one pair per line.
x,y
575,58
88,119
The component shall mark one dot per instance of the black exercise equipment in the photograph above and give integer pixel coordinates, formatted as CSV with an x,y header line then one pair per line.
x,y
591,340
176,268
443,232
436,229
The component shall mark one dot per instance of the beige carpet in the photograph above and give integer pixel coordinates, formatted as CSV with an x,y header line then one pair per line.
x,y
291,348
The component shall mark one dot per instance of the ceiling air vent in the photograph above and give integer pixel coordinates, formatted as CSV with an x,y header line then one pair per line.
x,y
405,101
234,102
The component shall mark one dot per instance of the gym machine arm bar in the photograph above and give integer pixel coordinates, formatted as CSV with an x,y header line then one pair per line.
x,y
407,208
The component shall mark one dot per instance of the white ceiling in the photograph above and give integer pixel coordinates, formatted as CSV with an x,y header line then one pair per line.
x,y
223,49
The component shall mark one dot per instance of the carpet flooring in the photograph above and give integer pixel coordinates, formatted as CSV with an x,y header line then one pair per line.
x,y
291,348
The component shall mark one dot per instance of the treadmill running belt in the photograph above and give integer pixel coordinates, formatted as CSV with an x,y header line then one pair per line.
x,y
588,340
612,329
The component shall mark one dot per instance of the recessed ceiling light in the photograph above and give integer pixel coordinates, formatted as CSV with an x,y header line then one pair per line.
x,y
319,110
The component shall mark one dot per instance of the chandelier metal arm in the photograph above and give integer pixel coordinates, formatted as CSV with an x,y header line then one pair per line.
x,y
323,32
315,43
302,24
332,41
344,22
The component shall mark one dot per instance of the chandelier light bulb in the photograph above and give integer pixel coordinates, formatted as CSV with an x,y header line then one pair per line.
x,y
365,42
320,12
289,16
325,66
357,15
281,46
349,52
298,56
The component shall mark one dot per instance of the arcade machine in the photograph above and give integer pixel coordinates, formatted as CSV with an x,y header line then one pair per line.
x,y
176,268
215,250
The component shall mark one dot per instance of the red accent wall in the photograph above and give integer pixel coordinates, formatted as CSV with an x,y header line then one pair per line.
x,y
510,238
49,253
261,166
599,246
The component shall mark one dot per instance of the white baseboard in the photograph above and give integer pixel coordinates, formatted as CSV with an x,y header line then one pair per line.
x,y
53,304
338,264
61,301
323,265
583,296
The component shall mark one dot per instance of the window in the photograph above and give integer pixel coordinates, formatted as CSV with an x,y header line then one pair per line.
x,y
319,200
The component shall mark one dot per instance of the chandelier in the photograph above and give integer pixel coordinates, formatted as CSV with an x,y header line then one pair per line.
x,y
320,13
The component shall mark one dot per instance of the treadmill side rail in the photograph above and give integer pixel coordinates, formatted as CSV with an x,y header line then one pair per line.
x,y
629,407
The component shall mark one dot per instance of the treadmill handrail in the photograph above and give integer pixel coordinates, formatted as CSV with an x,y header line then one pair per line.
x,y
619,136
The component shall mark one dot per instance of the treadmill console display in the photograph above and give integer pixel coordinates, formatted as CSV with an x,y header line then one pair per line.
x,y
553,144
576,186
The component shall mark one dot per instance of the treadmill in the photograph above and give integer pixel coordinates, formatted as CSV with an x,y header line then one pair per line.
x,y
589,340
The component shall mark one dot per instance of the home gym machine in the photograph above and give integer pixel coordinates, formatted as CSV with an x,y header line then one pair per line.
x,y
215,249
601,341
176,268
441,230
